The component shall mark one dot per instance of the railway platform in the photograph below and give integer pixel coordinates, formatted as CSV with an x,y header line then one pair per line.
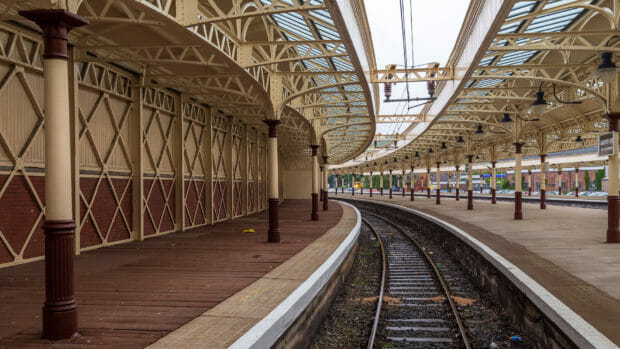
x,y
562,248
213,282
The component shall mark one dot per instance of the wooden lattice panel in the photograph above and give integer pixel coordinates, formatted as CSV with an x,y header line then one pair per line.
x,y
219,136
194,129
106,169
22,152
252,170
237,161
261,171
160,169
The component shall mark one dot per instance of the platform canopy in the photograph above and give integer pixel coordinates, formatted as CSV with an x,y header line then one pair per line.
x,y
252,59
506,55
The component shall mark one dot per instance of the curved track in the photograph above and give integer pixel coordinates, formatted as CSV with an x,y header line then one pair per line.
x,y
423,313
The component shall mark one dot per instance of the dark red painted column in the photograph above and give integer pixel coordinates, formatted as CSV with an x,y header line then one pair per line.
x,y
458,184
390,183
314,214
60,309
320,183
529,182
470,191
494,184
543,180
560,182
325,184
613,201
352,184
371,184
438,198
518,199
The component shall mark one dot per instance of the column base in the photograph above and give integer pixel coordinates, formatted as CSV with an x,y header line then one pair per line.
x,y
470,199
60,310
457,195
576,192
518,205
381,191
613,226
412,196
438,198
403,191
273,235
428,193
370,192
493,197
325,201
543,200
390,193
315,207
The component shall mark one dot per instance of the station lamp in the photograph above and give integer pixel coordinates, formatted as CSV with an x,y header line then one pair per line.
x,y
540,104
417,155
607,70
579,139
395,160
443,145
479,133
460,142
506,119
430,150
406,157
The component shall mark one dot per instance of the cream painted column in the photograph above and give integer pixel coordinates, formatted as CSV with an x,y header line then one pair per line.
x,y
493,183
371,183
273,235
470,184
576,181
412,186
438,174
60,309
449,182
518,182
362,183
613,200
314,215
457,182
543,182
428,182
390,182
325,184
381,182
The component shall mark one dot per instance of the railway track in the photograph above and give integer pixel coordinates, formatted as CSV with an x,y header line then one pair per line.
x,y
422,313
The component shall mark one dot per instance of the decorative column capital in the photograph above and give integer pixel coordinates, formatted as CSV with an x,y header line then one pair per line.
x,y
273,127
315,149
55,24
518,147
325,157
492,164
470,158
542,157
613,121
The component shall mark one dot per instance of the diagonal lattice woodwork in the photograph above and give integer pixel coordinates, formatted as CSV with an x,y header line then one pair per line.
x,y
104,110
22,152
194,130
237,168
220,126
160,169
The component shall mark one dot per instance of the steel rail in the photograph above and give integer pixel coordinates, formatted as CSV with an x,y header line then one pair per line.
x,y
446,289
375,323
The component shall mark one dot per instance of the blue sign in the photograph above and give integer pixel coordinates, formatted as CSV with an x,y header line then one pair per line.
x,y
487,175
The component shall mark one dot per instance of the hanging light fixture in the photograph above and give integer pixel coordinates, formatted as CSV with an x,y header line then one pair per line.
x,y
430,150
579,139
443,145
460,142
395,160
607,70
417,155
477,157
406,157
540,104
479,133
506,119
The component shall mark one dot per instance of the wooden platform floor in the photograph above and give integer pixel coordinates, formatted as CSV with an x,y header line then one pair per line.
x,y
131,295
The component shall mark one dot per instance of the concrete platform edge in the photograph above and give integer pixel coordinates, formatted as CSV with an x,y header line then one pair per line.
x,y
574,326
267,331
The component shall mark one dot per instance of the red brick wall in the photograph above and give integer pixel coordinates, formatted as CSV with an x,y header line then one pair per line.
x,y
18,215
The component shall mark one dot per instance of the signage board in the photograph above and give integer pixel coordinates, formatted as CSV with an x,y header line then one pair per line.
x,y
606,143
